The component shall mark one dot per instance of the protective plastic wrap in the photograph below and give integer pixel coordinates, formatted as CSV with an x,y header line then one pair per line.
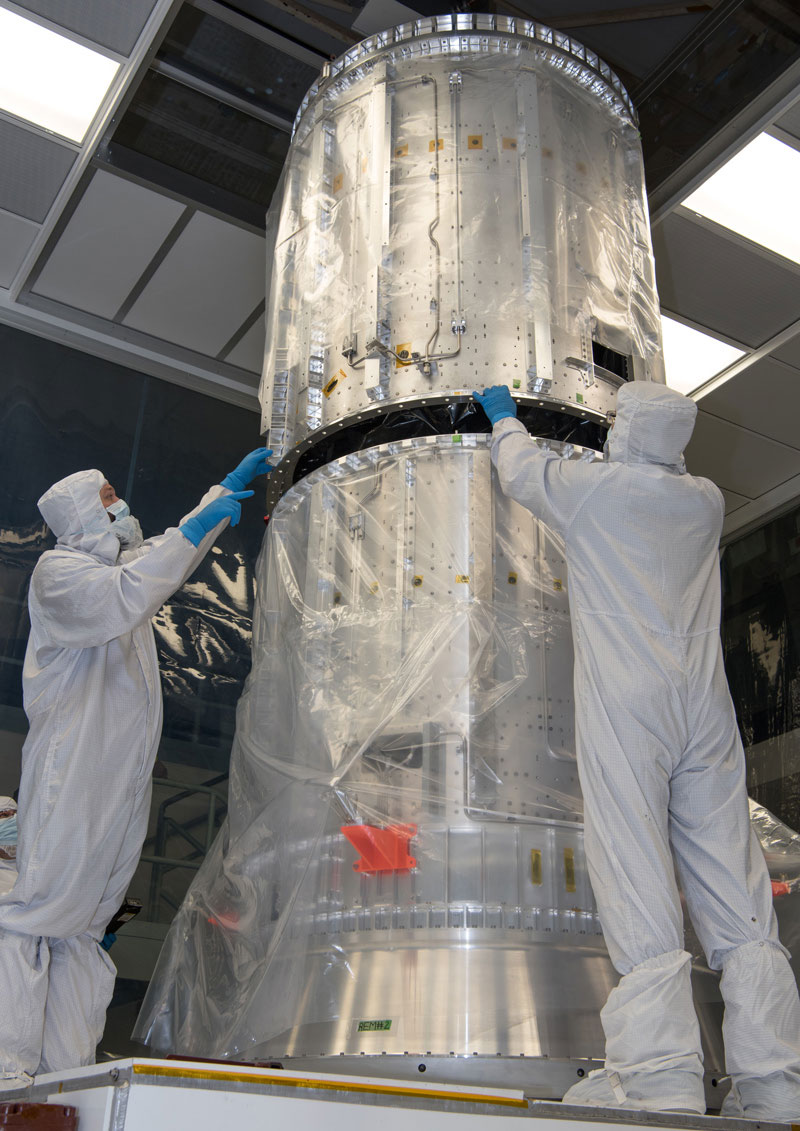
x,y
403,776
463,200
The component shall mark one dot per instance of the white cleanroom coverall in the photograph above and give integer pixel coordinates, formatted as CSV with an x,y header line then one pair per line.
x,y
661,764
92,694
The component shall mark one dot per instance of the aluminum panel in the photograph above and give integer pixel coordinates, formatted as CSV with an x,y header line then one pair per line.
x,y
109,241
16,236
763,398
205,288
32,171
114,24
737,459
720,283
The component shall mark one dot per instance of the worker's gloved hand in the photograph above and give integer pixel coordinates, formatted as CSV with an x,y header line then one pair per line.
x,y
496,402
252,465
227,506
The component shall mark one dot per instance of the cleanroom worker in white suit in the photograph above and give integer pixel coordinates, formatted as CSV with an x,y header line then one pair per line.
x,y
660,761
92,694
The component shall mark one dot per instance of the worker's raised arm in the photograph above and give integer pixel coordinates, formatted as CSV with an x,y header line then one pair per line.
x,y
82,600
551,487
83,603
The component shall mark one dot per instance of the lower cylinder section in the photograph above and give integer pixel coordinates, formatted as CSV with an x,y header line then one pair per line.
x,y
403,870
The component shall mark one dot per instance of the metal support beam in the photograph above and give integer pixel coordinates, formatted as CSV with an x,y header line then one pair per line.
x,y
220,94
628,15
260,32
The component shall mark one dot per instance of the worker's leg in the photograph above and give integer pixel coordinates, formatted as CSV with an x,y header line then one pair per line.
x,y
81,984
729,896
24,963
653,1051
81,972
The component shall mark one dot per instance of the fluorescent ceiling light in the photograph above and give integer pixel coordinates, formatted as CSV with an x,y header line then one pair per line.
x,y
48,79
691,358
756,195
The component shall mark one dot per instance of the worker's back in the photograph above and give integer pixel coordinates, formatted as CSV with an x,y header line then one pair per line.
x,y
645,546
641,535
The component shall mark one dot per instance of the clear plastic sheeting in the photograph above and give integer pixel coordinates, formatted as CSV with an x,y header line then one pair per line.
x,y
781,846
458,209
404,841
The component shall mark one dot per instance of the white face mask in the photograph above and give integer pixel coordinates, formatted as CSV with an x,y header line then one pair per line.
x,y
119,509
8,831
128,531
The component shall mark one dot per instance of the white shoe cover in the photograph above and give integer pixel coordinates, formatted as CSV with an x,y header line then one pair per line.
x,y
761,1029
653,1053
774,1098
14,1083
668,1090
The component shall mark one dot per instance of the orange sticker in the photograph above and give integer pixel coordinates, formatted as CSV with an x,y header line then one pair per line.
x,y
475,141
404,348
435,143
509,143
401,151
333,383
338,181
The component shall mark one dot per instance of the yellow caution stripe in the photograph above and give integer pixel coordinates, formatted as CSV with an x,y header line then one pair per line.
x,y
332,1085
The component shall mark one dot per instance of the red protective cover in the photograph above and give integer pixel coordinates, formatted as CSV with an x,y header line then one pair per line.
x,y
381,850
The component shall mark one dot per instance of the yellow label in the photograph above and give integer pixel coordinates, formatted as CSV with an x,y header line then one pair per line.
x,y
512,578
509,143
558,584
364,164
338,181
401,151
416,581
569,869
475,141
435,143
403,347
334,381
536,867
337,597
462,578
374,587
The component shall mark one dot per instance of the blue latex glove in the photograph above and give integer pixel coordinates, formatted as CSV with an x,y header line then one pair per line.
x,y
228,506
496,402
252,465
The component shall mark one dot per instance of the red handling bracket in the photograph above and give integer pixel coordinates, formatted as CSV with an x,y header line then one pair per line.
x,y
381,850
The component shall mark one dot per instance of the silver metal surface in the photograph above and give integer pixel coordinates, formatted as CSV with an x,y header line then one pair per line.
x,y
490,944
463,203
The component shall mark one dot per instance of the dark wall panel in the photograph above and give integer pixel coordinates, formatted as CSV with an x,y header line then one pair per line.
x,y
61,411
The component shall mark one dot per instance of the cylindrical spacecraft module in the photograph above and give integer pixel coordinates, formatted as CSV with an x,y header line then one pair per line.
x,y
402,872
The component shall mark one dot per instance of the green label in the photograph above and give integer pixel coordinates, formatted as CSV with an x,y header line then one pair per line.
x,y
373,1026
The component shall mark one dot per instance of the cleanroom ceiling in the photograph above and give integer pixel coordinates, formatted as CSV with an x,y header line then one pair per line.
x,y
142,239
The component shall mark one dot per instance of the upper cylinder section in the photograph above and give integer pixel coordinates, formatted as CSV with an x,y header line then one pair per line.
x,y
463,205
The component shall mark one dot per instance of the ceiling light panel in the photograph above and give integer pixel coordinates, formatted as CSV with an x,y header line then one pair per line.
x,y
48,79
691,357
755,194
